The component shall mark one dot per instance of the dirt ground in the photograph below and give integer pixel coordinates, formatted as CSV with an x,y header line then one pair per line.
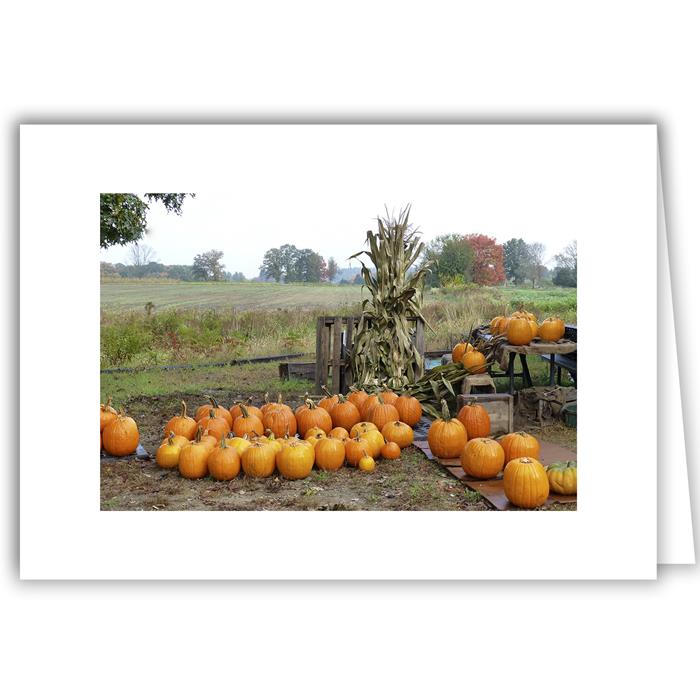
x,y
411,483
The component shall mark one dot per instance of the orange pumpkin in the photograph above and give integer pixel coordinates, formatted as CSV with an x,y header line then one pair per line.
x,y
219,411
409,408
383,413
446,436
329,401
459,350
179,440
295,461
375,440
258,460
519,331
482,458
314,417
391,451
358,397
208,440
281,421
369,404
224,462
193,458
120,437
474,362
355,449
525,482
339,433
534,328
237,443
552,329
182,424
388,396
247,424
398,432
344,414
235,410
497,325
520,444
168,454
214,425
330,453
107,413
361,427
475,419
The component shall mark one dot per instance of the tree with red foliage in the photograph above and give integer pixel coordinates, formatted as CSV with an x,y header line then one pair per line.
x,y
488,259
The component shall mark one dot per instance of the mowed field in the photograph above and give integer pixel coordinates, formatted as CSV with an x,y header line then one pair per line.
x,y
130,295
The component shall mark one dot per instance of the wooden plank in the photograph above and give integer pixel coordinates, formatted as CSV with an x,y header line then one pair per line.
x,y
337,347
419,340
349,339
321,353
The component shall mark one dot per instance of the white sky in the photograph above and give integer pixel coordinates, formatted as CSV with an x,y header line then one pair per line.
x,y
321,187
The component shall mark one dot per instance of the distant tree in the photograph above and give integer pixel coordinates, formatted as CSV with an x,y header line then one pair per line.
x,y
534,266
273,265
289,264
180,272
207,266
359,279
451,257
237,277
331,269
488,259
123,216
515,259
141,255
108,270
566,270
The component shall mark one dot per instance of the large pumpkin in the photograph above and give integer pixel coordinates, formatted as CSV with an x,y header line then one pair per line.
x,y
358,397
552,329
475,418
280,421
474,362
525,482
219,411
295,461
482,458
235,410
107,413
193,458
446,436
224,462
398,432
409,408
562,477
330,453
519,331
370,402
314,417
214,425
520,444
258,460
121,436
182,424
344,414
247,424
382,413
355,449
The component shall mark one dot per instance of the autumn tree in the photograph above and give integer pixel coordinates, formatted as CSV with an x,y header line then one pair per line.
x,y
207,266
451,258
488,259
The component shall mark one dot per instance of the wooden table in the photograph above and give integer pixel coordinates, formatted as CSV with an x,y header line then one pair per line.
x,y
536,347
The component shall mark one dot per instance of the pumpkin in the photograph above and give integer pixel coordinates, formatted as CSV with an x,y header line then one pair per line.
x,y
182,424
459,350
214,425
235,410
207,439
534,328
552,329
120,437
520,444
107,413
371,401
247,424
179,440
240,444
375,440
339,433
330,453
314,435
391,451
446,436
344,414
193,458
303,406
519,331
329,401
295,461
388,396
314,417
168,454
258,460
398,432
497,325
280,421
475,418
474,362
383,413
366,463
525,482
358,397
355,449
224,462
482,458
409,408
362,427
562,477
219,411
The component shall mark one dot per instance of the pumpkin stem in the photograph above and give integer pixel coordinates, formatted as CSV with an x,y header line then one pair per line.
x,y
223,443
170,438
380,398
198,436
324,389
108,404
445,411
211,400
183,413
279,398
244,410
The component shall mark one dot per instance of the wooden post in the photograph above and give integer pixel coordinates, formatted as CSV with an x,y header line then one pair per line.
x,y
321,353
420,345
349,339
337,346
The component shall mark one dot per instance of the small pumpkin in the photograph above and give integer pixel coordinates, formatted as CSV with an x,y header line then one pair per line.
x,y
193,458
446,436
344,414
409,408
497,325
525,482
207,439
330,453
179,440
358,397
314,435
519,331
120,437
552,329
107,413
339,433
459,350
247,424
482,458
329,401
355,449
366,463
219,411
474,362
375,440
475,418
182,424
383,412
520,444
168,454
214,425
361,427
224,462
398,432
235,410
562,477
240,444
314,417
258,461
295,461
391,450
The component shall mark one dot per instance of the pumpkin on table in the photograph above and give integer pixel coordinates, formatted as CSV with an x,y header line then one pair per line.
x,y
295,461
482,458
344,414
224,462
520,444
552,329
409,408
498,325
120,437
519,331
525,482
330,453
181,425
475,362
398,432
446,436
475,418
459,350
562,477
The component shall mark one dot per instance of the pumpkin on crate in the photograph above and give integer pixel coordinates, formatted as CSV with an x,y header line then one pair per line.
x,y
361,427
476,420
330,453
446,436
120,437
329,401
314,417
107,413
519,331
247,424
235,410
168,454
219,411
398,432
409,408
383,413
562,477
182,424
520,444
193,458
459,350
344,414
258,461
391,450
224,462
525,482
355,449
482,458
214,425
475,362
552,329
295,461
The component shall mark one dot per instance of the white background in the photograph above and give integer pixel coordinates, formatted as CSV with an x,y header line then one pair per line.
x,y
444,60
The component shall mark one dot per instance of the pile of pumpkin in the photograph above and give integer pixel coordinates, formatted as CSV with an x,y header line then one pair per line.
x,y
355,429
526,481
119,434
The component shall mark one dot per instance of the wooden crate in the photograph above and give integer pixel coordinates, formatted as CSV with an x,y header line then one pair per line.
x,y
297,370
498,406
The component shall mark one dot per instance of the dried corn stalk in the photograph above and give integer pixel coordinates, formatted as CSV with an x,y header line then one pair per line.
x,y
384,350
